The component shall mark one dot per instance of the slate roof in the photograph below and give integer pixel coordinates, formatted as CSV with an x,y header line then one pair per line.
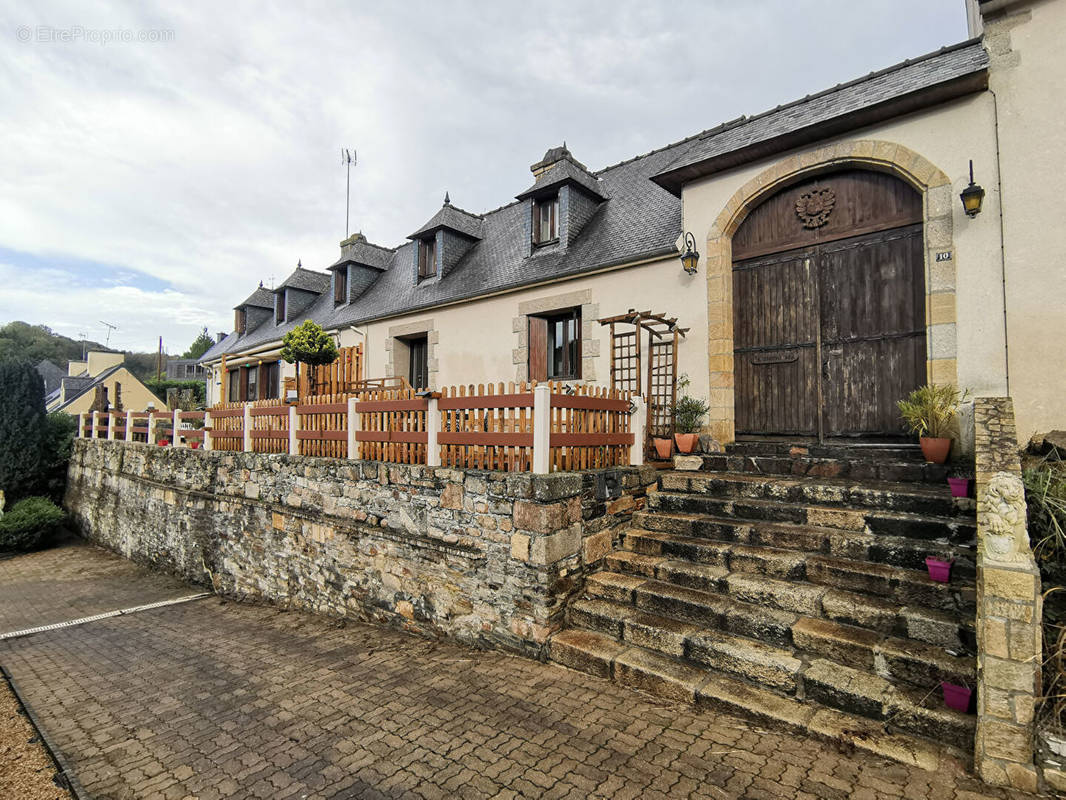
x,y
51,375
923,73
306,280
451,218
260,298
360,251
640,220
565,171
79,385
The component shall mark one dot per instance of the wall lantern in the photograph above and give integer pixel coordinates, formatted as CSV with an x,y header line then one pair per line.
x,y
690,258
972,196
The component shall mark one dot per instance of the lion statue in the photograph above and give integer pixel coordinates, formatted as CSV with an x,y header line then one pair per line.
x,y
1001,514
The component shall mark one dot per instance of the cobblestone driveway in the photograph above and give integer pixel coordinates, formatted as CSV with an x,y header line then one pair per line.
x,y
217,700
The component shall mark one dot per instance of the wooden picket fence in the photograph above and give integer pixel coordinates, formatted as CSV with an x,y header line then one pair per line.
x,y
340,377
322,429
487,427
227,426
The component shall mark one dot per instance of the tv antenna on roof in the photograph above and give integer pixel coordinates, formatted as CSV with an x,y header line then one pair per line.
x,y
110,327
348,159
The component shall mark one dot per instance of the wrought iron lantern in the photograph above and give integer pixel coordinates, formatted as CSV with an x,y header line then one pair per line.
x,y
690,258
972,196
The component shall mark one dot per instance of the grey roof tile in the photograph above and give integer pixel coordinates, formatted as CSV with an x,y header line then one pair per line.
x,y
261,298
565,171
454,219
306,280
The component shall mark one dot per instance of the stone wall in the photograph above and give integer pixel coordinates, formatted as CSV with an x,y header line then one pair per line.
x,y
1008,605
485,557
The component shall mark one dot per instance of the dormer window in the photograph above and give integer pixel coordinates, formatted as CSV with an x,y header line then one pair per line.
x,y
546,220
427,258
240,321
340,286
279,308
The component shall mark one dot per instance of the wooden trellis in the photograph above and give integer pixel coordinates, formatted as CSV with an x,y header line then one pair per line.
x,y
661,384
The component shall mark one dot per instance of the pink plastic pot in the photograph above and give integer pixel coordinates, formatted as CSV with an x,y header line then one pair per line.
x,y
960,487
939,570
956,697
194,445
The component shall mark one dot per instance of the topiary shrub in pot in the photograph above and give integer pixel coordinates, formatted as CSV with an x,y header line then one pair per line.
x,y
30,523
689,414
929,411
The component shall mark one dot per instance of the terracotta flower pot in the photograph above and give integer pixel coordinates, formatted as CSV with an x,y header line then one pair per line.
x,y
935,449
686,442
956,697
194,445
939,570
663,447
960,487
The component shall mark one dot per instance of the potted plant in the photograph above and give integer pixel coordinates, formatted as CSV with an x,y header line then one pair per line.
x,y
688,420
960,480
929,411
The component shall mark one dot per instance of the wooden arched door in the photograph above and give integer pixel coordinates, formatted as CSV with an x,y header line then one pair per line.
x,y
829,308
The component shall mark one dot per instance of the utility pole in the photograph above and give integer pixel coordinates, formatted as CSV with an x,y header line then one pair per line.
x,y
348,159
159,361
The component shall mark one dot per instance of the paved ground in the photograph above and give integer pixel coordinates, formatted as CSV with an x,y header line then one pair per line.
x,y
75,580
218,700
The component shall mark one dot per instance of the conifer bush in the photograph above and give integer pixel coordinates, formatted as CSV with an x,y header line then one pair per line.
x,y
22,430
30,523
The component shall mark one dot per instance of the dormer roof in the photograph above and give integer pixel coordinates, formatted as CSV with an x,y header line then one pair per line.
x,y
260,298
357,250
564,170
451,218
305,280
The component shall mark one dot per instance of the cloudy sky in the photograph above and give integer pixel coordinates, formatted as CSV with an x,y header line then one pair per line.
x,y
152,184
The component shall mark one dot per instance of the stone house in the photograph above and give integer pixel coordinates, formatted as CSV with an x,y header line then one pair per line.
x,y
837,270
101,382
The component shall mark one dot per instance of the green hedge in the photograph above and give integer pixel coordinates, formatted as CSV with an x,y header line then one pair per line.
x,y
159,389
29,523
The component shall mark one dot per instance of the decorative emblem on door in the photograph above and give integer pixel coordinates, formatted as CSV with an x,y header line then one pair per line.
x,y
814,207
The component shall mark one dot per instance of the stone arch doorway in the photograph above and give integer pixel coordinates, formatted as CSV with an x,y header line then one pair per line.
x,y
926,234
829,307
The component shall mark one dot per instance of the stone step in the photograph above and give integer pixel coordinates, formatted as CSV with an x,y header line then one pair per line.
x,y
835,493
897,451
902,660
668,677
898,551
960,528
888,468
903,586
916,622
820,680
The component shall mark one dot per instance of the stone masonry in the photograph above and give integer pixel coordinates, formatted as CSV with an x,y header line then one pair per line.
x,y
1008,610
488,558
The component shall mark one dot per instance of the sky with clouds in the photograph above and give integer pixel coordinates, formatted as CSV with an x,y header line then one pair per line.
x,y
160,159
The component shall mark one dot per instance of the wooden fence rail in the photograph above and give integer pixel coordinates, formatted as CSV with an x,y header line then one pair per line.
x,y
508,427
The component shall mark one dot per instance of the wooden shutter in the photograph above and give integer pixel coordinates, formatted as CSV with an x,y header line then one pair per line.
x,y
538,349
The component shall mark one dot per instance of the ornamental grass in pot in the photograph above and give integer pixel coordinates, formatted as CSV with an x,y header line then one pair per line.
x,y
689,414
929,411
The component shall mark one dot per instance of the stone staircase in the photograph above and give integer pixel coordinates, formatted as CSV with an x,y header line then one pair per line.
x,y
789,584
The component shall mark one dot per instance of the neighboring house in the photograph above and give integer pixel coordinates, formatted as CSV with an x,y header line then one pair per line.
x,y
185,369
51,375
837,269
101,382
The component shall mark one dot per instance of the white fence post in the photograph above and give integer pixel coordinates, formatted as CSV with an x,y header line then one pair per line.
x,y
96,424
353,428
294,422
112,423
175,433
638,422
541,429
207,433
432,429
247,427
152,439
129,426
81,426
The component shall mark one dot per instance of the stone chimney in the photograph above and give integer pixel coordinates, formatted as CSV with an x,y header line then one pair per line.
x,y
553,157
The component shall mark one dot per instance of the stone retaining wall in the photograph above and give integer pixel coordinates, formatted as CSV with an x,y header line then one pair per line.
x,y
1009,605
485,557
